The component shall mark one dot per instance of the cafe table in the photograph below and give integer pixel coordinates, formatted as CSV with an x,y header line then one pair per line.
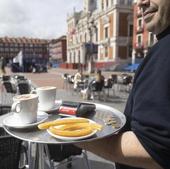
x,y
110,118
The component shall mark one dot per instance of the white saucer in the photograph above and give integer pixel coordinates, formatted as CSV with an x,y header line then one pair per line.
x,y
11,121
48,110
55,107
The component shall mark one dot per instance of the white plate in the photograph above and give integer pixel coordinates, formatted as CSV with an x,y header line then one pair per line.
x,y
73,138
11,121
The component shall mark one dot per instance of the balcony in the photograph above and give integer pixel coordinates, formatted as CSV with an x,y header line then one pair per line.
x,y
105,42
140,29
150,43
138,14
139,45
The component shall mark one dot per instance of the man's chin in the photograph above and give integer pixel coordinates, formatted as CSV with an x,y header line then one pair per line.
x,y
152,27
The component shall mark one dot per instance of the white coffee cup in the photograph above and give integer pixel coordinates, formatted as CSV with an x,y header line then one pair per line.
x,y
46,96
25,108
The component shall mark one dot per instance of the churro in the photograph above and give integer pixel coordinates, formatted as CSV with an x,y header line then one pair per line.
x,y
77,126
71,133
63,121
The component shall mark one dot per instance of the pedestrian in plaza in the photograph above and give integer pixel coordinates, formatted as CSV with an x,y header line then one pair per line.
x,y
144,142
99,80
77,78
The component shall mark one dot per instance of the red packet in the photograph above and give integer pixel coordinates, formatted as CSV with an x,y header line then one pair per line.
x,y
68,110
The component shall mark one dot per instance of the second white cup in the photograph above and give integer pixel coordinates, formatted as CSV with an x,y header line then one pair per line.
x,y
46,96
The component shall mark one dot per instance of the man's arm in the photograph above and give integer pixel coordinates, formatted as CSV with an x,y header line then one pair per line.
x,y
124,148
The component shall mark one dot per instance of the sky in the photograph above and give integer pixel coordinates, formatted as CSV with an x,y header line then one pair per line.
x,y
45,19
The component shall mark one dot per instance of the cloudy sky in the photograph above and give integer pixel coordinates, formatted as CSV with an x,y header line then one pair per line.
x,y
35,18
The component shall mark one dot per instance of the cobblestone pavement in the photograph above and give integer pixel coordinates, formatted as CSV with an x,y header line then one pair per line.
x,y
116,99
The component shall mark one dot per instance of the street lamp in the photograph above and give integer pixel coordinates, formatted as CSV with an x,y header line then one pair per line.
x,y
91,28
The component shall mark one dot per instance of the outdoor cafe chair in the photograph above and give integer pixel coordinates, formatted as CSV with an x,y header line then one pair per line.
x,y
6,78
10,87
97,88
23,87
108,83
65,81
9,91
127,81
9,152
22,150
20,77
4,109
65,154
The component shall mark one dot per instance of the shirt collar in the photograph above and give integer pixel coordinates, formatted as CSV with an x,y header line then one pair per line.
x,y
164,33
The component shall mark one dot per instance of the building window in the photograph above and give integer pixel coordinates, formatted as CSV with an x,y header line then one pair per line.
x,y
140,22
85,37
80,38
102,4
106,51
131,30
96,35
106,32
151,39
107,3
129,2
121,2
139,41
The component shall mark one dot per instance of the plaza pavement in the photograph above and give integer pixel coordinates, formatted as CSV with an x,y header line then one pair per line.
x,y
115,98
54,78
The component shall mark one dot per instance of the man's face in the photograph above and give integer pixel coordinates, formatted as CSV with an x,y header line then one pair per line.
x,y
156,14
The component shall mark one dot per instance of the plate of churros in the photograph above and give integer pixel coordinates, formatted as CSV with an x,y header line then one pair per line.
x,y
72,128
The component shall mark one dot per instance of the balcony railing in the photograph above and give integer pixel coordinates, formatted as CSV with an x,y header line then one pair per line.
x,y
140,29
139,46
138,14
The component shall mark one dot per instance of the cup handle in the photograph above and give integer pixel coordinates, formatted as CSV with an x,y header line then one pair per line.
x,y
16,107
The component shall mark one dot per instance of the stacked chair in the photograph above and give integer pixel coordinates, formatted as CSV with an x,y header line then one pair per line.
x,y
65,83
22,83
65,154
23,87
9,152
108,85
9,88
10,147
4,109
97,88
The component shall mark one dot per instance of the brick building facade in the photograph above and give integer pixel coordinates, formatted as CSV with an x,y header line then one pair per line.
x,y
142,39
58,49
33,50
10,47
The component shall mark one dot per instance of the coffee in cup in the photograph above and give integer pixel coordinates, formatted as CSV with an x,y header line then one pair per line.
x,y
25,108
46,96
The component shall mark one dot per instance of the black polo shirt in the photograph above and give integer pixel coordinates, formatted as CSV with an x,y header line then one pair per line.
x,y
148,106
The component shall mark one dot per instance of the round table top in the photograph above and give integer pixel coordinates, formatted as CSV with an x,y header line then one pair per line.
x,y
101,115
